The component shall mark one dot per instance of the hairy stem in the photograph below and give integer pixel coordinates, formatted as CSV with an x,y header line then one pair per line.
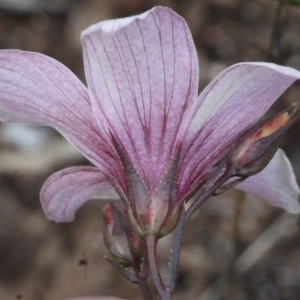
x,y
208,190
164,293
175,254
142,282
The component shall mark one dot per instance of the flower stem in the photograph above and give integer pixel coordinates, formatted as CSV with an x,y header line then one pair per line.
x,y
142,282
175,254
207,191
164,293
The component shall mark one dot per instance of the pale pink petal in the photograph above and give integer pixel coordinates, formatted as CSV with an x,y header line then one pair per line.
x,y
142,73
65,191
276,183
36,89
231,103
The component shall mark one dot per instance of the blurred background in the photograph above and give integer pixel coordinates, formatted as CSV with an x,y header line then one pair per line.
x,y
42,260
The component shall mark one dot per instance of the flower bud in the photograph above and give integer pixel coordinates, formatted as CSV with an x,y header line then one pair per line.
x,y
124,244
256,147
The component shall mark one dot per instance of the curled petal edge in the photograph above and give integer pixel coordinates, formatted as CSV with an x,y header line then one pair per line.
x,y
67,190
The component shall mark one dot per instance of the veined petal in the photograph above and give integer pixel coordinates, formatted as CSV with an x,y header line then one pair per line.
x,y
36,89
231,103
276,183
142,73
65,191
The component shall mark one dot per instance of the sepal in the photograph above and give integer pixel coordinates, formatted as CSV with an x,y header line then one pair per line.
x,y
123,243
156,213
124,271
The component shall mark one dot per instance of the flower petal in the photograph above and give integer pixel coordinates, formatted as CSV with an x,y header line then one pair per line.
x,y
142,73
276,183
65,191
36,89
231,103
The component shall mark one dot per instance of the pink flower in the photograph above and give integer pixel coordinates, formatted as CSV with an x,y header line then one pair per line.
x,y
141,122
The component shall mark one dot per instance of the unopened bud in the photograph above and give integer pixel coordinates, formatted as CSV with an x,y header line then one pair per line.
x,y
124,244
256,147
